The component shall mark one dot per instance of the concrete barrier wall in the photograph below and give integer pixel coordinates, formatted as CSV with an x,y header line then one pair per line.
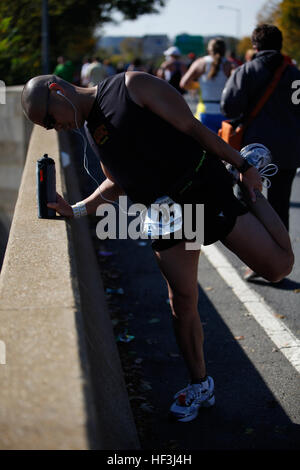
x,y
15,132
61,385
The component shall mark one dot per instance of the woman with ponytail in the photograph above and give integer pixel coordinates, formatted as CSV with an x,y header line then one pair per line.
x,y
212,72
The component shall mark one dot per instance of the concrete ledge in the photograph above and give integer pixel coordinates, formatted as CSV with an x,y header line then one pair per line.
x,y
50,397
15,132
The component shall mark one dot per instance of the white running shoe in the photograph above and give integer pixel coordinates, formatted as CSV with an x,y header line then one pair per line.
x,y
257,155
260,157
188,400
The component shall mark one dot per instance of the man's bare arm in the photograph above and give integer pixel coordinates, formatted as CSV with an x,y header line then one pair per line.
x,y
193,73
109,189
162,99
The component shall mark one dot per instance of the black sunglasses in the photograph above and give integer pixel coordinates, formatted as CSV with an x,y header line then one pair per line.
x,y
48,121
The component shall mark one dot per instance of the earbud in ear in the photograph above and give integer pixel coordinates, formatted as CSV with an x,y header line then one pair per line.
x,y
55,86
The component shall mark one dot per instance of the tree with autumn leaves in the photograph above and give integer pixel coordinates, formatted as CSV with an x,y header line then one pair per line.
x,y
285,15
72,25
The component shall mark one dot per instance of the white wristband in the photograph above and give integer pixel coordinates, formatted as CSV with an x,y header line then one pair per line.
x,y
79,210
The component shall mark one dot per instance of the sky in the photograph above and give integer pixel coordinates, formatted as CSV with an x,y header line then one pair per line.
x,y
196,17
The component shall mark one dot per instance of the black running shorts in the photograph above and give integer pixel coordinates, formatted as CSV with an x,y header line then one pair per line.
x,y
212,186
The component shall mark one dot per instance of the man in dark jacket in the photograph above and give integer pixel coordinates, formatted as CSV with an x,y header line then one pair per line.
x,y
278,124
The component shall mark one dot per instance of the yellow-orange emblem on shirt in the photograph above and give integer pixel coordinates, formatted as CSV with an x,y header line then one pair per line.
x,y
101,134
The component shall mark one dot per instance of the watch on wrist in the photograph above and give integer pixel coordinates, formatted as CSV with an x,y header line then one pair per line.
x,y
245,166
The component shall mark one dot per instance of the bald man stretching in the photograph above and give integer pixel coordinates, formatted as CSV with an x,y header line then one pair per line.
x,y
150,145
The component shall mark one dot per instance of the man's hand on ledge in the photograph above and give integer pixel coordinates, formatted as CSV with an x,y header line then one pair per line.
x,y
61,206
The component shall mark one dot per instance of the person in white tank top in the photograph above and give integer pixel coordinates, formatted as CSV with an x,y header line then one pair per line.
x,y
211,89
211,72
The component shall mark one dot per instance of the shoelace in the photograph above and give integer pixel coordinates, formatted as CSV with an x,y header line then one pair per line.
x,y
192,394
269,170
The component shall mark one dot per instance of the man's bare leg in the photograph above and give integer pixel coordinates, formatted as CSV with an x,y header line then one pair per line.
x,y
264,212
261,241
179,268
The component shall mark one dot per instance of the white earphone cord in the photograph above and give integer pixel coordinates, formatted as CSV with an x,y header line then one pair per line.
x,y
269,170
85,159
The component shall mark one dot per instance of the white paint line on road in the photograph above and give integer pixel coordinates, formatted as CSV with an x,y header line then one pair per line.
x,y
279,333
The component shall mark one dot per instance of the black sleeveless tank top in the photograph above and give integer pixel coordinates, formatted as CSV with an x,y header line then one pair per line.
x,y
145,154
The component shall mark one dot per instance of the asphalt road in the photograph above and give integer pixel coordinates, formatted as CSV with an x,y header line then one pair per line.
x,y
257,388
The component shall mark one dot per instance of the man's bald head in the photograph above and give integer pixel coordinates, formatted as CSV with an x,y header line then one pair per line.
x,y
36,93
34,97
45,107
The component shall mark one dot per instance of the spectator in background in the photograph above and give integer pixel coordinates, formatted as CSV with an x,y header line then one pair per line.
x,y
249,55
96,72
150,68
64,69
136,66
173,68
212,72
191,59
235,62
120,67
278,123
84,78
110,69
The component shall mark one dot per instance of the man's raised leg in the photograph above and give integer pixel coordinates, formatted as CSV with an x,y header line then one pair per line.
x,y
261,241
